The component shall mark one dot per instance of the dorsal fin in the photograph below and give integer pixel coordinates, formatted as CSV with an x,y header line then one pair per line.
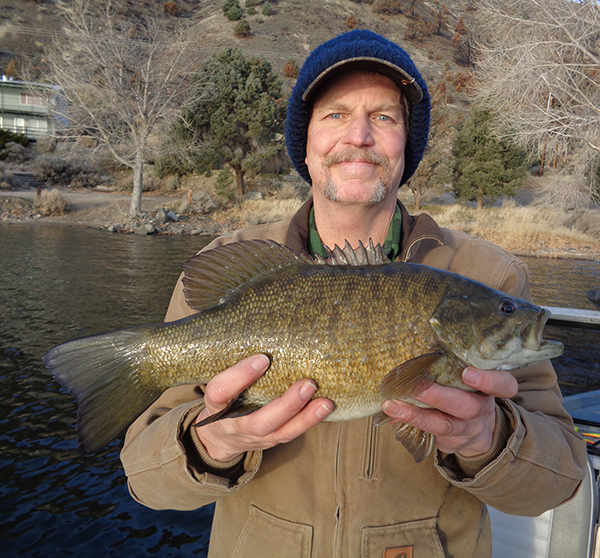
x,y
210,275
361,256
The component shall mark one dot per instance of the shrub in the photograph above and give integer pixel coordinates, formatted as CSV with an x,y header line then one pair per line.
x,y
242,29
224,185
7,178
51,202
8,137
15,153
234,13
171,8
250,3
267,9
387,7
290,69
351,22
230,4
59,172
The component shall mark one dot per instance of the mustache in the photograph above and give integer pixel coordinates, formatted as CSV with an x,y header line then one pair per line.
x,y
355,154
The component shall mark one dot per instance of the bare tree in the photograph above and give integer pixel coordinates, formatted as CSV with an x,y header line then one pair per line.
x,y
123,81
539,73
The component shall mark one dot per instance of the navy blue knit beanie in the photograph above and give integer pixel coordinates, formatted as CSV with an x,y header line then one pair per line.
x,y
365,50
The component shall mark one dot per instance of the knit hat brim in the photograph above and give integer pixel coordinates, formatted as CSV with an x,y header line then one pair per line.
x,y
407,84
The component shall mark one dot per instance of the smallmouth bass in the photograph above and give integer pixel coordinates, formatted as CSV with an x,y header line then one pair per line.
x,y
363,328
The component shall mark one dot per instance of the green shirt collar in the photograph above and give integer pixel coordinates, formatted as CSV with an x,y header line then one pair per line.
x,y
391,245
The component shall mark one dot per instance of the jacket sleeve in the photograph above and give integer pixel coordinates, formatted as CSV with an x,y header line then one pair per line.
x,y
163,464
542,448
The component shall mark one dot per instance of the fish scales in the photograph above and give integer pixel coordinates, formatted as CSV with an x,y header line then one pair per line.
x,y
364,332
344,327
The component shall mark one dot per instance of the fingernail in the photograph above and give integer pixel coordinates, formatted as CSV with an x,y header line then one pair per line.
x,y
471,377
307,390
260,362
325,410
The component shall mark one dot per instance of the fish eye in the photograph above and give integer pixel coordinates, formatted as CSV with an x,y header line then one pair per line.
x,y
507,307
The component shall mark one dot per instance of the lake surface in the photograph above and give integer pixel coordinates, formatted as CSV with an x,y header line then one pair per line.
x,y
57,283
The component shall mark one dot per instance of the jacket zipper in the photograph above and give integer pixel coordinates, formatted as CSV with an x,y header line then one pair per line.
x,y
370,457
407,255
339,493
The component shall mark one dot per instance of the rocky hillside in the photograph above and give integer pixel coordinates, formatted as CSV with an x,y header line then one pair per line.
x,y
426,28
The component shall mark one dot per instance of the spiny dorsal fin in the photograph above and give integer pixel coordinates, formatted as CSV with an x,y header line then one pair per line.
x,y
210,275
361,256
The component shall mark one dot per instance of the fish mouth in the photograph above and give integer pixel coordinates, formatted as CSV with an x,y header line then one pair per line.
x,y
532,339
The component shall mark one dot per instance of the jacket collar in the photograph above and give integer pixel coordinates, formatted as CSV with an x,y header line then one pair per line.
x,y
414,230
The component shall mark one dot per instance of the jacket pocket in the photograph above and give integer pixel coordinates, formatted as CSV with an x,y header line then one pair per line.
x,y
413,539
267,535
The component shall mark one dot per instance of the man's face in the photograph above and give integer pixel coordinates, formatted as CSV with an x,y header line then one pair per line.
x,y
356,139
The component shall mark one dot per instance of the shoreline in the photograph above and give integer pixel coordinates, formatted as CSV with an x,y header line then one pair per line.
x,y
107,210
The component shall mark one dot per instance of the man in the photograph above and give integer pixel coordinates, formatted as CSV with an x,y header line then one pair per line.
x,y
288,484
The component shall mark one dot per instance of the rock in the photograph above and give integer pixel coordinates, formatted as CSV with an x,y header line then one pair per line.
x,y
113,228
204,203
172,216
162,216
254,195
145,229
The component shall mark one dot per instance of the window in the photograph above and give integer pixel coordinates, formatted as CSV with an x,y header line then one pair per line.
x,y
34,100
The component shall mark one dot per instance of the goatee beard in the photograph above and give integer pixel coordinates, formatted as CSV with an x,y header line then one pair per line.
x,y
378,195
380,189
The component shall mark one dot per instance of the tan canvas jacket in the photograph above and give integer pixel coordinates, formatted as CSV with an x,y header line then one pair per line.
x,y
349,489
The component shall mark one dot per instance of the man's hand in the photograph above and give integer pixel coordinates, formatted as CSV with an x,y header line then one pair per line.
x,y
281,421
462,422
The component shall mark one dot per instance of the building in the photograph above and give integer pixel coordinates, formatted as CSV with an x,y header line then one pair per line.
x,y
33,109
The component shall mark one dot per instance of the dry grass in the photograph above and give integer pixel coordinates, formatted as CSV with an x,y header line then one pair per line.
x,y
255,212
523,229
51,202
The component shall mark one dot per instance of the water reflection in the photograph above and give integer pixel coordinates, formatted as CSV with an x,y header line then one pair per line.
x,y
56,284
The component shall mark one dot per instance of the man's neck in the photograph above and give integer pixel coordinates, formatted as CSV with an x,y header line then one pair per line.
x,y
338,222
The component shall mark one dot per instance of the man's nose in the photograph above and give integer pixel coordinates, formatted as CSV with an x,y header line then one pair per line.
x,y
359,131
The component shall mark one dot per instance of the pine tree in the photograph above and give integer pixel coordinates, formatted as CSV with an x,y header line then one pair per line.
x,y
241,123
484,167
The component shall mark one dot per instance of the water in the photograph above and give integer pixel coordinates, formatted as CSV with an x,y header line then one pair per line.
x,y
565,283
58,283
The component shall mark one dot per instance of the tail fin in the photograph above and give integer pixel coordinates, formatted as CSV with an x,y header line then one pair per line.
x,y
101,372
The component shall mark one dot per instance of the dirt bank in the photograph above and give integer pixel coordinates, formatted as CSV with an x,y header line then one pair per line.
x,y
108,210
104,209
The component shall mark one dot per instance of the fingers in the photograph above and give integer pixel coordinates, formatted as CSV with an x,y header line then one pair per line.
x,y
280,421
498,383
461,421
281,411
231,382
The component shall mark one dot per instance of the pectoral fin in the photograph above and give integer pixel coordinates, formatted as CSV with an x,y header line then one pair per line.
x,y
418,442
237,408
405,382
410,378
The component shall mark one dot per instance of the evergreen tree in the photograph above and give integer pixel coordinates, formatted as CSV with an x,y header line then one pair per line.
x,y
485,167
241,122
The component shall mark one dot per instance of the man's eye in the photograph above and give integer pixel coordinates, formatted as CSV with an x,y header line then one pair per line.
x,y
383,118
335,116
